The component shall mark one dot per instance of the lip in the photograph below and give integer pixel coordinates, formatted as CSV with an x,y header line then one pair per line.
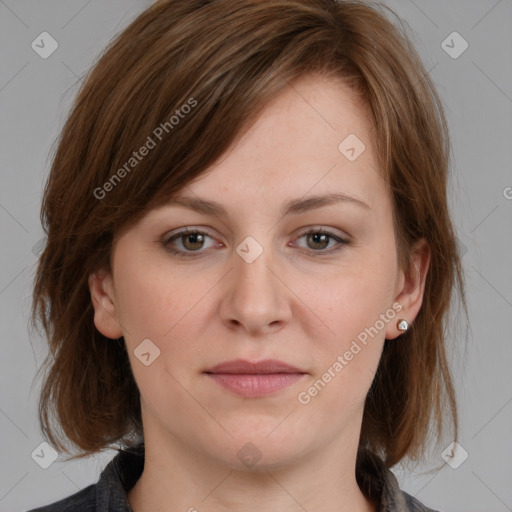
x,y
254,379
264,367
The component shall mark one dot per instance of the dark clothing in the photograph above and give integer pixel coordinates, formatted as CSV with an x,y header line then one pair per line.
x,y
109,494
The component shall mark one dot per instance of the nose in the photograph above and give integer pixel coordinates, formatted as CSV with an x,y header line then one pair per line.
x,y
255,299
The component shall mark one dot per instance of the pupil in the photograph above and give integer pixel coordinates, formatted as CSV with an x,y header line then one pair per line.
x,y
317,238
196,241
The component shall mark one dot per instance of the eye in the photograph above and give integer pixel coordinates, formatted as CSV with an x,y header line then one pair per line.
x,y
318,240
188,240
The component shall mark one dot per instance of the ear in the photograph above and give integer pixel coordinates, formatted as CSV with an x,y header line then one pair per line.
x,y
411,286
101,287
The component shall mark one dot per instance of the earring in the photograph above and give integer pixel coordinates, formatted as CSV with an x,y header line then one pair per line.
x,y
402,325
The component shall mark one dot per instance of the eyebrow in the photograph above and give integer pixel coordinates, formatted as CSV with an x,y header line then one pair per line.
x,y
292,207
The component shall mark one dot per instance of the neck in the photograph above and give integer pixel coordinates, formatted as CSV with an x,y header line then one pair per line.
x,y
176,478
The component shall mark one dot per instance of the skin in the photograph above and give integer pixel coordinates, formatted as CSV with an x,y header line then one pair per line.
x,y
291,304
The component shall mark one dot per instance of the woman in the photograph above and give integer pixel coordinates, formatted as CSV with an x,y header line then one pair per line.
x,y
250,262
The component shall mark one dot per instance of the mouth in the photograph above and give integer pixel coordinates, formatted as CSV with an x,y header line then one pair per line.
x,y
254,379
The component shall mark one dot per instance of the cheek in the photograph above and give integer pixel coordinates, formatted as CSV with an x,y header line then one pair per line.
x,y
159,305
154,299
173,310
353,297
355,303
347,359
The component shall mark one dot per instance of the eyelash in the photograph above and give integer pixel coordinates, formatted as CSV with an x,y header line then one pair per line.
x,y
191,254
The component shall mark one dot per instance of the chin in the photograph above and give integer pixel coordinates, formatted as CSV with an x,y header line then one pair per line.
x,y
258,452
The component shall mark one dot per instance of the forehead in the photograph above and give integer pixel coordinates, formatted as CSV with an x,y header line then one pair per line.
x,y
316,135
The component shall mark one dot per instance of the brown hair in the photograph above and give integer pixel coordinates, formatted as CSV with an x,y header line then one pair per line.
x,y
226,59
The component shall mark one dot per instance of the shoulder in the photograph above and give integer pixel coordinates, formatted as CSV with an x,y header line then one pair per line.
x,y
82,501
379,483
414,505
110,492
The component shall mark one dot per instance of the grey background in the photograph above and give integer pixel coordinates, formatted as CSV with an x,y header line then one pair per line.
x,y
476,88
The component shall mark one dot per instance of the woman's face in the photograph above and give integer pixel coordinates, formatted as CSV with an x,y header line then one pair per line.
x,y
296,263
